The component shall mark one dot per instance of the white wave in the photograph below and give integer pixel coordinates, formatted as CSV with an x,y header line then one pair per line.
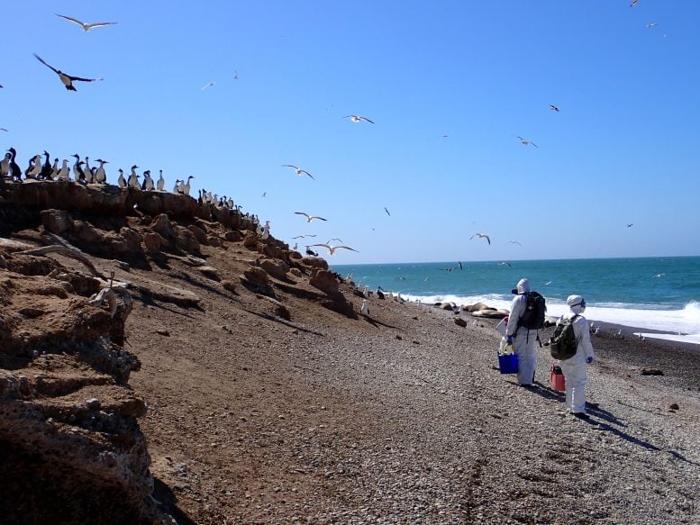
x,y
684,323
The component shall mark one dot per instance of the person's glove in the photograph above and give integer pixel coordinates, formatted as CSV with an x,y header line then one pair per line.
x,y
589,360
510,340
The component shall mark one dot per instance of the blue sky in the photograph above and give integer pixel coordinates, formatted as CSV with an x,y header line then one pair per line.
x,y
623,149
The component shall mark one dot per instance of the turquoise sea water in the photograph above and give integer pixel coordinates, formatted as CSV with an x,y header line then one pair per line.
x,y
661,293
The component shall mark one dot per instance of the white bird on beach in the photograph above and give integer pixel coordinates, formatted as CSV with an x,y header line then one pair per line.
x,y
332,249
66,79
481,236
86,26
310,218
300,172
526,142
356,119
364,309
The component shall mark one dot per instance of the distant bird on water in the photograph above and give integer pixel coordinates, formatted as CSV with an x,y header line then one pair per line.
x,y
554,108
356,119
505,264
481,236
66,80
387,211
526,142
332,249
86,26
310,218
300,172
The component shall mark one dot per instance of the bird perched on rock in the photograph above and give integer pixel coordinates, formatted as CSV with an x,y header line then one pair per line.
x,y
54,170
160,185
46,169
186,186
176,188
121,181
89,175
78,174
66,80
86,26
100,173
147,184
34,169
299,172
64,173
310,218
5,165
15,171
133,181
364,309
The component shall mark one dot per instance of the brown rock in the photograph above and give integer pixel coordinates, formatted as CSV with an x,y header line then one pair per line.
x,y
651,372
86,233
153,242
161,225
460,322
250,241
324,281
229,285
276,268
213,240
673,406
56,221
448,306
233,236
315,262
210,272
185,239
199,233
296,272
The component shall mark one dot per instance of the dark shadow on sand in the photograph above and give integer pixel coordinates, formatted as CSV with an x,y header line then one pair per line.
x,y
376,323
168,503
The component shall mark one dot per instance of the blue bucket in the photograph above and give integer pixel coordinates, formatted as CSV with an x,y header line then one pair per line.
x,y
508,363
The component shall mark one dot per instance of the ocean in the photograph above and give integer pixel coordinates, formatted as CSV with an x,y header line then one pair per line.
x,y
657,293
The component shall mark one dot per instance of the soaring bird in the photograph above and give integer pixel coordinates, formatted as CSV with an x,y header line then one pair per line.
x,y
208,85
526,142
332,249
634,3
303,236
356,119
630,225
554,108
66,79
387,211
515,242
334,239
300,172
651,25
309,218
4,129
86,26
481,236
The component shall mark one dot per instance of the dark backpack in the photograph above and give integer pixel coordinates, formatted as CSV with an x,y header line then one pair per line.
x,y
533,317
563,343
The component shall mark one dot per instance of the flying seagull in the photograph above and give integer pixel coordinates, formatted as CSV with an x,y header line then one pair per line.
x,y
554,108
481,236
387,211
634,3
515,242
630,225
651,25
527,142
235,75
334,239
264,194
66,79
208,85
356,119
332,249
303,236
504,263
3,129
309,218
86,26
300,172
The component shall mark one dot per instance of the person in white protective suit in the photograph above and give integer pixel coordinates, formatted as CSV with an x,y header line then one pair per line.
x,y
574,368
523,340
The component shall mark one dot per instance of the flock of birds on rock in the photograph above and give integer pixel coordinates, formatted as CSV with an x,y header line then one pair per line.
x,y
41,167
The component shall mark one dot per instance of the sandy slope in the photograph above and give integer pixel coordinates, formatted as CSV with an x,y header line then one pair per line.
x,y
400,420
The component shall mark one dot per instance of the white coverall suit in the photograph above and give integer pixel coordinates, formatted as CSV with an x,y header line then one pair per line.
x,y
524,340
574,368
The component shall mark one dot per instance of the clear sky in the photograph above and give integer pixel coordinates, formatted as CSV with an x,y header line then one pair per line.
x,y
625,147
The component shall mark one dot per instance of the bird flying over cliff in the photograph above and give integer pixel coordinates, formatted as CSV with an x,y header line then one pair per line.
x,y
310,218
86,26
356,119
332,249
299,172
481,236
66,80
